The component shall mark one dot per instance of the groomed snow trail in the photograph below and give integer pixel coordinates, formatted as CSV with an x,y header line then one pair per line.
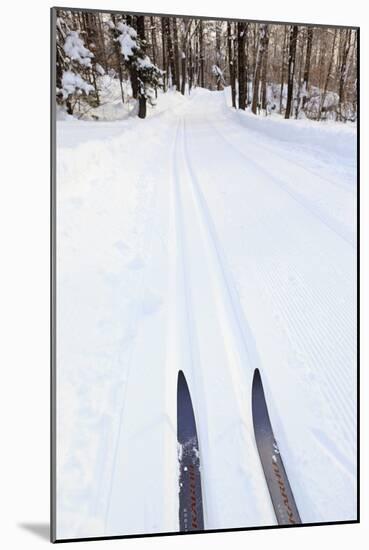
x,y
236,252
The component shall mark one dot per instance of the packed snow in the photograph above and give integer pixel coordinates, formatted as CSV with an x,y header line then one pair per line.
x,y
215,242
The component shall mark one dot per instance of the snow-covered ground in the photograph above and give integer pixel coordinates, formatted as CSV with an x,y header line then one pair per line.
x,y
215,242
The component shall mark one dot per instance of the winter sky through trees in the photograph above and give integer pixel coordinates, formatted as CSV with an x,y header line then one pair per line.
x,y
297,71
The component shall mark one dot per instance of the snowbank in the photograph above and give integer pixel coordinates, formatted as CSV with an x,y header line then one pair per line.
x,y
334,137
112,108
87,149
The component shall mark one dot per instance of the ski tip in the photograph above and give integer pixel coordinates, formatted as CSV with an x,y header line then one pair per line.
x,y
256,378
260,414
181,377
257,392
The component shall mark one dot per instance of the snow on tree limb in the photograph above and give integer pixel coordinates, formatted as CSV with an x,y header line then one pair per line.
x,y
74,83
76,50
127,40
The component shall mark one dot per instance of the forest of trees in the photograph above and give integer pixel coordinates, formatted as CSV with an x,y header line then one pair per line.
x,y
297,71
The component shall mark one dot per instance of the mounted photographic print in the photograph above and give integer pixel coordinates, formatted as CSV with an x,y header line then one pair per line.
x,y
204,274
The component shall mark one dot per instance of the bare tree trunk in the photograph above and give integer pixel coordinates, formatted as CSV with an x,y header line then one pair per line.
x,y
154,45
328,76
291,68
241,39
218,52
354,72
310,33
254,46
183,64
320,61
164,52
231,63
190,68
184,69
176,53
282,69
141,93
264,72
346,37
247,70
263,33
94,81
299,78
118,56
202,58
102,42
197,65
171,63
187,28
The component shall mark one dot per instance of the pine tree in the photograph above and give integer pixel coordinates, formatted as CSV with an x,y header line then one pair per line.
x,y
73,66
147,76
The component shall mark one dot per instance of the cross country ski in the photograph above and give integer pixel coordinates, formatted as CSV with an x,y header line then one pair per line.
x,y
190,495
275,474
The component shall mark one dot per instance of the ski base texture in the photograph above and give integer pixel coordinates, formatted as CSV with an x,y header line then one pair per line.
x,y
275,474
191,516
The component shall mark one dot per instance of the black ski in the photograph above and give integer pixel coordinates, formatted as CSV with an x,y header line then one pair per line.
x,y
191,516
275,474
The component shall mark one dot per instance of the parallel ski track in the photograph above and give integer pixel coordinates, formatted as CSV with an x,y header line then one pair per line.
x,y
226,280
235,332
197,386
334,389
